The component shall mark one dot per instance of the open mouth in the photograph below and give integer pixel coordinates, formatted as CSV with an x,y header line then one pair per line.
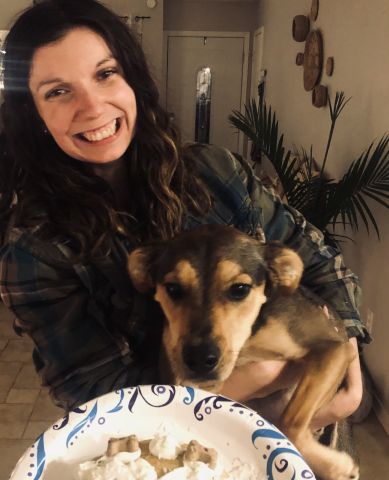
x,y
93,136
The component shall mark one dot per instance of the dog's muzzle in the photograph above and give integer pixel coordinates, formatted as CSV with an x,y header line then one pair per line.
x,y
201,359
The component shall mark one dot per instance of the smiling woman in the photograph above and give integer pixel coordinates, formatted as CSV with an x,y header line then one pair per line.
x,y
82,97
93,167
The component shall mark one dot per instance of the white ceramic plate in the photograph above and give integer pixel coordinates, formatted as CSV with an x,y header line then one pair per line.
x,y
233,429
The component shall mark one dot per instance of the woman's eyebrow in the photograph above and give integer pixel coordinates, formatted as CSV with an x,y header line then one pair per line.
x,y
48,82
105,60
60,80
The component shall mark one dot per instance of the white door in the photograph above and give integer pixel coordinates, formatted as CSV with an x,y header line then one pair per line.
x,y
186,55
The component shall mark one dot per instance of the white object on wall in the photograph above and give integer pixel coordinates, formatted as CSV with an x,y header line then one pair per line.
x,y
151,3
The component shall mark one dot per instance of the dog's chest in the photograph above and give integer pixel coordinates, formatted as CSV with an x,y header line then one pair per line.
x,y
271,342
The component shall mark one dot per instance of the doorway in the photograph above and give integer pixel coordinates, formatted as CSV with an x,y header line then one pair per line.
x,y
226,56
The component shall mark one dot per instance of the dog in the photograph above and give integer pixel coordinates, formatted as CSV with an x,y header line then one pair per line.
x,y
229,299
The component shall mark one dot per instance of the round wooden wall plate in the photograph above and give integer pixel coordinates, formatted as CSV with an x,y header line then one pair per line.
x,y
330,66
299,58
319,96
313,59
300,28
314,10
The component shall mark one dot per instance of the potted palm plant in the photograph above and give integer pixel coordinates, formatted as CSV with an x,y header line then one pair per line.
x,y
306,186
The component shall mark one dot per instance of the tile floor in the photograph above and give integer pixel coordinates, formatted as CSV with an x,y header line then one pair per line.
x,y
26,410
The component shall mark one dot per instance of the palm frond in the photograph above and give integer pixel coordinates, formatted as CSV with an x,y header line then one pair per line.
x,y
323,201
366,178
260,125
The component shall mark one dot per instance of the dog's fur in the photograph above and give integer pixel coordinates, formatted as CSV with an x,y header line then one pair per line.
x,y
228,300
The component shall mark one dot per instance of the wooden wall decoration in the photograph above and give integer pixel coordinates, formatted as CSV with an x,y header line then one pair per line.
x,y
312,59
299,58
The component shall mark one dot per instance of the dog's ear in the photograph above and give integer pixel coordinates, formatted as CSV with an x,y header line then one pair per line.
x,y
139,268
285,267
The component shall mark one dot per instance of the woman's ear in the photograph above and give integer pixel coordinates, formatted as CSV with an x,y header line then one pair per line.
x,y
139,266
285,267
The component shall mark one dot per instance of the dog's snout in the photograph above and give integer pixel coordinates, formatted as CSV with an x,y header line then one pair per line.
x,y
201,359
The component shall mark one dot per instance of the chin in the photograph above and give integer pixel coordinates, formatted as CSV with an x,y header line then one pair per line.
x,y
107,157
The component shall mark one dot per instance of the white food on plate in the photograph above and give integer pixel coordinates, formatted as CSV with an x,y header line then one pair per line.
x,y
117,467
192,471
130,466
165,446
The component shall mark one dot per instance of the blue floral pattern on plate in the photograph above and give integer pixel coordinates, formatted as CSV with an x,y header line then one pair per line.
x,y
232,428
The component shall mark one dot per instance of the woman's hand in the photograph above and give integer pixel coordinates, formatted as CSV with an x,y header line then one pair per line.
x,y
259,379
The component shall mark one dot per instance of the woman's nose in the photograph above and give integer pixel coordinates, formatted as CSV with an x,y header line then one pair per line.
x,y
90,103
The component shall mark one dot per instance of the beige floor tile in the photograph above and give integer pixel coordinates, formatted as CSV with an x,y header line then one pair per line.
x,y
8,373
6,330
13,420
35,428
17,350
3,344
373,448
22,395
27,378
11,451
45,410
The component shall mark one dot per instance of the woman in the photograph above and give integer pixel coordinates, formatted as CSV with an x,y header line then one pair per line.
x,y
92,167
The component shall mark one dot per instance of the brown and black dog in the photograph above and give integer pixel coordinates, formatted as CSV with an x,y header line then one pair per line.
x,y
229,299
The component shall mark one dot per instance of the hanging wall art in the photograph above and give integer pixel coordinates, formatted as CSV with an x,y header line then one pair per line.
x,y
311,59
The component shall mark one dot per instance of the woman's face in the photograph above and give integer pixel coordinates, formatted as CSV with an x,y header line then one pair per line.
x,y
82,97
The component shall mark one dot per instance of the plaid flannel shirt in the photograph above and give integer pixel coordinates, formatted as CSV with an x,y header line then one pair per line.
x,y
93,333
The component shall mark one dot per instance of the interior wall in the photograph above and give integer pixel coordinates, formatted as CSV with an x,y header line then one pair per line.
x,y
355,33
152,39
9,11
219,16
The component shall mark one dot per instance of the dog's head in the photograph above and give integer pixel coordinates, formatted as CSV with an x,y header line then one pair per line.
x,y
210,283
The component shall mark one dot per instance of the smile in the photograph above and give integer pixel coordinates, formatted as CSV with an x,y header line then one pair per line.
x,y
102,133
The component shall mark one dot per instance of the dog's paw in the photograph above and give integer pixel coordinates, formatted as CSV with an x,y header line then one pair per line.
x,y
341,467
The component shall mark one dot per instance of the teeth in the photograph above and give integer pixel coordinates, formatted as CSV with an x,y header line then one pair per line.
x,y
106,132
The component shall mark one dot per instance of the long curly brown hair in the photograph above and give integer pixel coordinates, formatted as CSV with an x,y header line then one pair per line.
x,y
41,185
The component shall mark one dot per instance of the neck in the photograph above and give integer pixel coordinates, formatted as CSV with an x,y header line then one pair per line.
x,y
116,174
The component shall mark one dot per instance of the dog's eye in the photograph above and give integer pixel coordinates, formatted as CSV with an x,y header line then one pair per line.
x,y
239,291
174,290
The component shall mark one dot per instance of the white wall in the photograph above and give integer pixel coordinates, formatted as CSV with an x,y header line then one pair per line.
x,y
152,30
9,10
356,34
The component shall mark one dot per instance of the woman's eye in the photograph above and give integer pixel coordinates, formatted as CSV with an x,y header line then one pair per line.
x,y
56,92
104,74
239,291
174,290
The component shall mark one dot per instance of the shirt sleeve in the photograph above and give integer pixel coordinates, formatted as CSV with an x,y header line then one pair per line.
x,y
76,353
324,270
241,200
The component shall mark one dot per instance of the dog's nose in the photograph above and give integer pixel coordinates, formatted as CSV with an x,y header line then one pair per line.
x,y
202,358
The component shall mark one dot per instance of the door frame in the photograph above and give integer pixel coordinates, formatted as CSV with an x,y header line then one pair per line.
x,y
245,64
258,31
